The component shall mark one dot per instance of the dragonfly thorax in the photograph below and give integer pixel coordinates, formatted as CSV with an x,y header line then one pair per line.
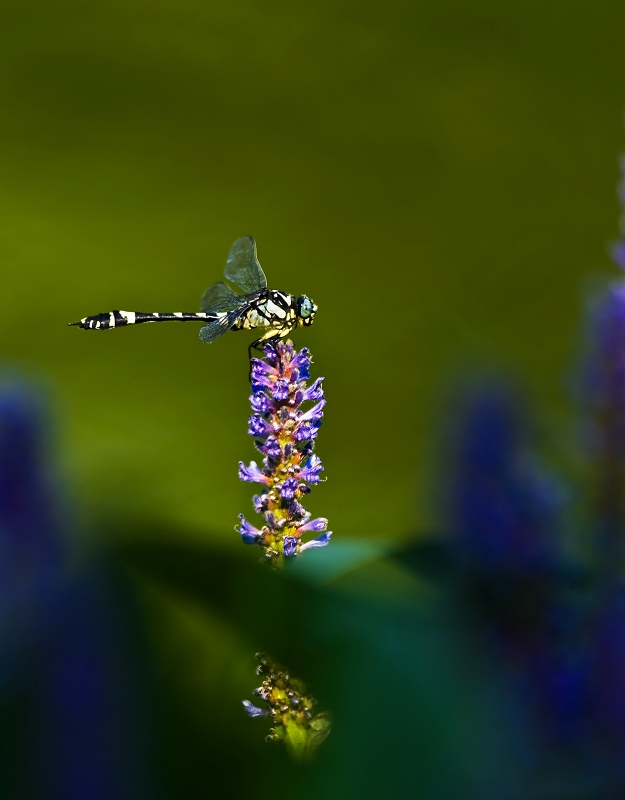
x,y
270,309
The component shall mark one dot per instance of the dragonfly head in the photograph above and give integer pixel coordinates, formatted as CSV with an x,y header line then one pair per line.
x,y
306,310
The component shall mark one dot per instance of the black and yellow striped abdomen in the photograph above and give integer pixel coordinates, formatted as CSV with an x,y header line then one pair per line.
x,y
119,319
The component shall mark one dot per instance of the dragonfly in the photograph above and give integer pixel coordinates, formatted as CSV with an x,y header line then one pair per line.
x,y
221,309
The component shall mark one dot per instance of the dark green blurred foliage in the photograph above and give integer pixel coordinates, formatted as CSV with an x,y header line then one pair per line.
x,y
440,179
413,707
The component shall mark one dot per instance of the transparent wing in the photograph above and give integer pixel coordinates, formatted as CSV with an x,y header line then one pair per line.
x,y
220,297
242,267
217,327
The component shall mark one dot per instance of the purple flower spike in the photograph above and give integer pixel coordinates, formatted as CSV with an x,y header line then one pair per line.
x,y
320,541
285,433
618,250
255,711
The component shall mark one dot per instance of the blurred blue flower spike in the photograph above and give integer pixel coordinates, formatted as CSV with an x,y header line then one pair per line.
x,y
604,372
604,396
59,638
608,679
285,434
503,507
30,532
505,514
290,708
618,249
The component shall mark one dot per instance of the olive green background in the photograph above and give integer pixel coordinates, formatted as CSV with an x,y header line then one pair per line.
x,y
438,177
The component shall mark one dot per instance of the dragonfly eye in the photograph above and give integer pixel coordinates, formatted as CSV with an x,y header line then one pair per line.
x,y
305,307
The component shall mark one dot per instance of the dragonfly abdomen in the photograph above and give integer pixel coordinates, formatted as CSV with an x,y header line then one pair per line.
x,y
119,319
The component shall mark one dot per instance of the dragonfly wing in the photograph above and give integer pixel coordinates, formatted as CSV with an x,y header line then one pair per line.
x,y
242,267
217,327
220,297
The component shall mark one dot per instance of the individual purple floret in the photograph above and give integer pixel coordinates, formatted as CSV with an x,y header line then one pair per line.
x,y
249,534
320,541
255,711
311,469
251,474
289,546
285,434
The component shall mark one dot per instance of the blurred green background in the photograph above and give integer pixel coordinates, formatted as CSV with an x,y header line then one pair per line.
x,y
438,177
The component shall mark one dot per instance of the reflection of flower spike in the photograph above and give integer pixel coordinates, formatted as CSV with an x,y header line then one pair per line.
x,y
285,435
290,709
255,711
